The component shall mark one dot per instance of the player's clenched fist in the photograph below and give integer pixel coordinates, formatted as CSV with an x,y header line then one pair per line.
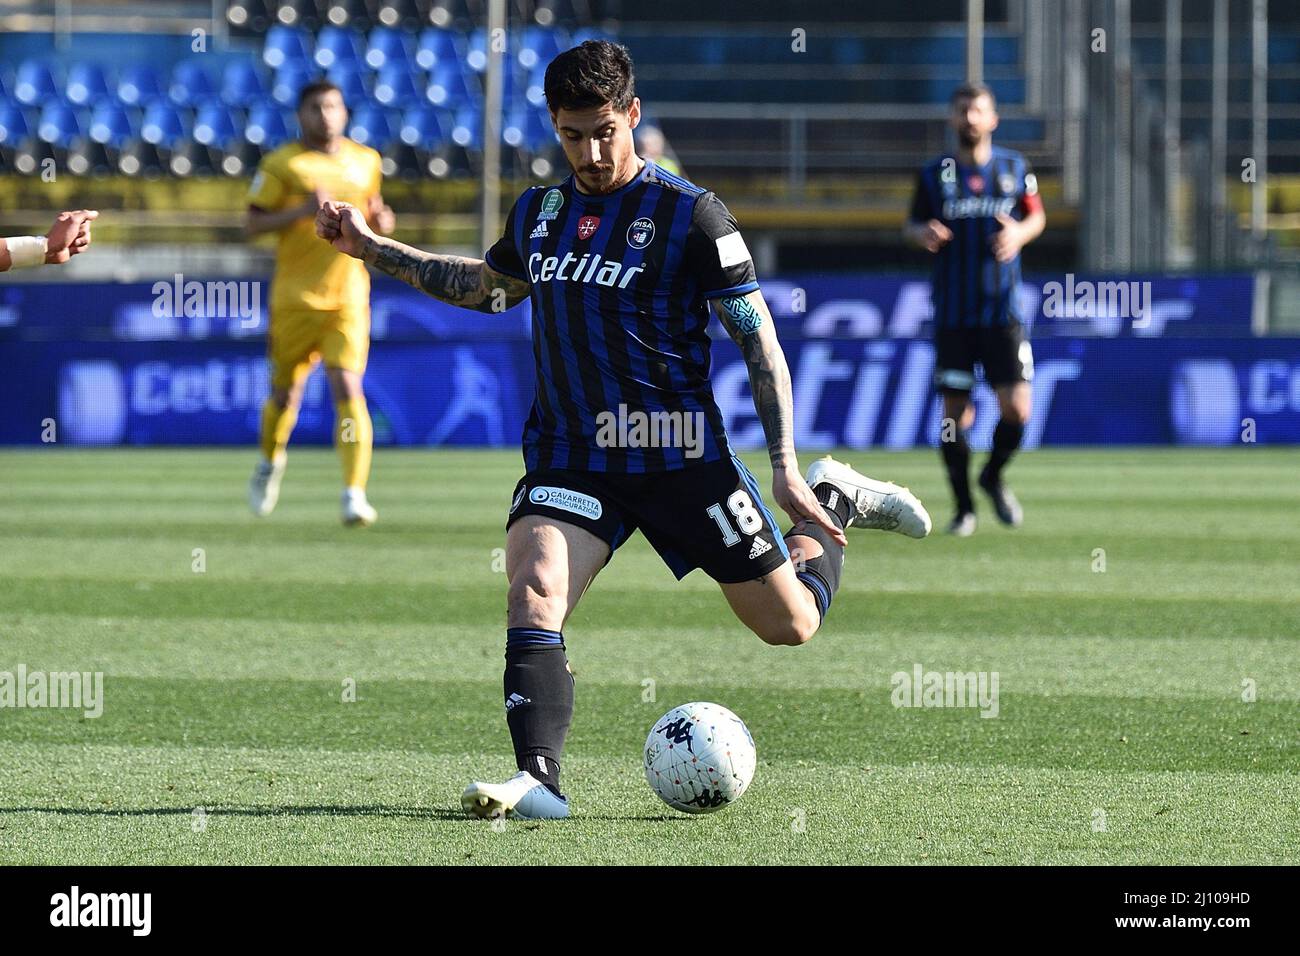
x,y
69,235
933,235
344,227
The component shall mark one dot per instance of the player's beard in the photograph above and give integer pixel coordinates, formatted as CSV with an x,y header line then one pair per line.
x,y
969,138
599,179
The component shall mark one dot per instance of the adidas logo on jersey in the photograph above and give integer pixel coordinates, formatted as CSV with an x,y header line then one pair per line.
x,y
760,546
514,700
539,232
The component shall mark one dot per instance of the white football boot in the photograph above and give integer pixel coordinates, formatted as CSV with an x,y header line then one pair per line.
x,y
878,504
522,797
264,486
963,524
357,511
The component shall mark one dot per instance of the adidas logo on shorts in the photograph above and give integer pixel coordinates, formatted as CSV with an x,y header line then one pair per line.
x,y
760,546
514,700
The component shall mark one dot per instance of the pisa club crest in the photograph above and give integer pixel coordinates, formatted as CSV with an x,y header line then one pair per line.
x,y
640,233
587,226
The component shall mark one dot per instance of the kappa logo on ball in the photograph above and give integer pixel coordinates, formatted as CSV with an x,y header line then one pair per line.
x,y
587,226
641,233
563,499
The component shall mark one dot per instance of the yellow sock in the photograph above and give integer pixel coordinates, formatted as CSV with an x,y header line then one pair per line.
x,y
354,436
277,426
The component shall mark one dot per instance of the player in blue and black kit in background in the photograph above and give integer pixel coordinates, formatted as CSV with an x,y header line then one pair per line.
x,y
622,262
975,210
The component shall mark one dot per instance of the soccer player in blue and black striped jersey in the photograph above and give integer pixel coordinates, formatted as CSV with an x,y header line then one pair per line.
x,y
622,261
975,210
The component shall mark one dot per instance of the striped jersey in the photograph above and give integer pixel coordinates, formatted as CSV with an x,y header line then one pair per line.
x,y
620,285
970,287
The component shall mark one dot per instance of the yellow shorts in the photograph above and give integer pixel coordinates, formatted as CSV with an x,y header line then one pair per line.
x,y
302,337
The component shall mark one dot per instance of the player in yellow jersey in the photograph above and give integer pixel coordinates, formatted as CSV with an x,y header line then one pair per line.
x,y
320,298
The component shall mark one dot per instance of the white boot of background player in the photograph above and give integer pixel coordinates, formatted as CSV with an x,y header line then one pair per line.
x,y
357,511
264,486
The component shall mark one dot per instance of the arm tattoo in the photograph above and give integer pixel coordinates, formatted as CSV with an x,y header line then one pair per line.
x,y
744,317
769,377
452,279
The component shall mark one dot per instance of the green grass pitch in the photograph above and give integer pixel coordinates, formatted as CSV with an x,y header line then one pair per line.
x,y
1122,734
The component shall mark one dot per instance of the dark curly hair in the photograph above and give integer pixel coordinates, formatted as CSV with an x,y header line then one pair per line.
x,y
315,87
589,76
968,91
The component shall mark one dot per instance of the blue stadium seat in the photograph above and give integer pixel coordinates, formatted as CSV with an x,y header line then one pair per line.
x,y
297,13
14,127
241,158
89,157
540,45
193,159
403,14
242,84
268,126
388,47
467,130
285,45
371,126
352,81
289,80
515,92
138,84
395,86
164,125
59,124
848,51
140,158
191,84
355,12
425,126
215,124
436,46
536,88
476,51
338,46
449,86
529,128
34,84
582,35
112,125
86,84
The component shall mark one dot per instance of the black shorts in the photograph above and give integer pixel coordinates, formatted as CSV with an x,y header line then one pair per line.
x,y
709,516
1002,350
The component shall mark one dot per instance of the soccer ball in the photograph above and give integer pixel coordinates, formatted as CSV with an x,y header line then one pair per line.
x,y
699,757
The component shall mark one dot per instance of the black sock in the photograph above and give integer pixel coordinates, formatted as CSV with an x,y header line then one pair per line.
x,y
539,700
956,457
1006,439
821,575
